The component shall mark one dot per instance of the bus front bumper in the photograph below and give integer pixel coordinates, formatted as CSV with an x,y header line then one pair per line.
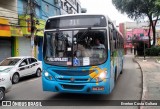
x,y
88,88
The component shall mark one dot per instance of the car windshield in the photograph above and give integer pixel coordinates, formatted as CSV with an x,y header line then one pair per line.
x,y
9,62
75,48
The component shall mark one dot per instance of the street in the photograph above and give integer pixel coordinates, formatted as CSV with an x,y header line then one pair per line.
x,y
128,87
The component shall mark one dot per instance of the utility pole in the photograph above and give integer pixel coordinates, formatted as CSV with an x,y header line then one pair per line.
x,y
32,12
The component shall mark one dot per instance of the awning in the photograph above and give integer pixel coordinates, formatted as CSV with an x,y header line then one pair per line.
x,y
4,28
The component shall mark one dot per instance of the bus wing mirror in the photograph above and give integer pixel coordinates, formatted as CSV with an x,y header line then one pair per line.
x,y
114,35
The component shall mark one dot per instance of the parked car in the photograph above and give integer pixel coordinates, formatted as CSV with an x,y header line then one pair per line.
x,y
5,83
21,66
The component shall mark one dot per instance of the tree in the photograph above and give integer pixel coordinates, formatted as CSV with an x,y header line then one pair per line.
x,y
137,9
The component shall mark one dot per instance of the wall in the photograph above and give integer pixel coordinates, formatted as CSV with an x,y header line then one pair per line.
x,y
49,8
70,6
8,8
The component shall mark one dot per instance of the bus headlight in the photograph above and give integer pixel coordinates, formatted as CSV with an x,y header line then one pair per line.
x,y
103,75
48,76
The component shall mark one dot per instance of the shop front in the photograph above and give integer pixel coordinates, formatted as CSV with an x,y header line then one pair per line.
x,y
5,39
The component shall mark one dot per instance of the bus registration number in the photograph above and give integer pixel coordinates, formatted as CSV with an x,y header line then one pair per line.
x,y
100,88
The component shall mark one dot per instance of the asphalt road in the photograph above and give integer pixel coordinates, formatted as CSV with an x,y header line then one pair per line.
x,y
128,87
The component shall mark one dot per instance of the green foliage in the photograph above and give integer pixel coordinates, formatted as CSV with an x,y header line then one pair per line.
x,y
137,8
153,51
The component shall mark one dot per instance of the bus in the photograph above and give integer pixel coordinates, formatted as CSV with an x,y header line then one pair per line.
x,y
82,53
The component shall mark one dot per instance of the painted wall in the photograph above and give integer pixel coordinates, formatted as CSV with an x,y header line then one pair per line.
x,y
137,32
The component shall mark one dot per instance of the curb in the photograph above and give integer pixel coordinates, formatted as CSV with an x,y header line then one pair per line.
x,y
144,88
148,57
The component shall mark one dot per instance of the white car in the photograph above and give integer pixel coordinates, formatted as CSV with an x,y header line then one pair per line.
x,y
21,66
5,83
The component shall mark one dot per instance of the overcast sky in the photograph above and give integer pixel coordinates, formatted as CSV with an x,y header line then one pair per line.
x,y
104,7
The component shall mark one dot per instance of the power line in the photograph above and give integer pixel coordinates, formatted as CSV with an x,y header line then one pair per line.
x,y
12,6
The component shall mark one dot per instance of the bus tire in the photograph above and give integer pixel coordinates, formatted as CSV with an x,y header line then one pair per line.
x,y
115,76
122,69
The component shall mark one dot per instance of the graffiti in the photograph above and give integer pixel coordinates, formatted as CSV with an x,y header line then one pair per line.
x,y
95,72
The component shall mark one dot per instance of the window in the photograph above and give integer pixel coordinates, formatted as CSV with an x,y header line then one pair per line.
x,y
47,8
24,62
55,2
75,48
32,60
9,62
61,4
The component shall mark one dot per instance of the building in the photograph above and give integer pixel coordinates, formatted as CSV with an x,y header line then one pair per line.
x,y
70,6
15,24
9,30
42,10
134,31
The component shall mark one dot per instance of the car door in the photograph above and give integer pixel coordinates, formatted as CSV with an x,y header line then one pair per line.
x,y
24,68
33,64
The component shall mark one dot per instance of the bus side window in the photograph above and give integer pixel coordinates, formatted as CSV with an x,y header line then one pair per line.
x,y
111,41
115,39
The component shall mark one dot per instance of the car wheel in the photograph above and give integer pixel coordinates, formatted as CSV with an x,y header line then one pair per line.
x,y
15,78
2,94
38,73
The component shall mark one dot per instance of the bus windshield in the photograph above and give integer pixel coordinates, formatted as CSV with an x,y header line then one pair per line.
x,y
75,48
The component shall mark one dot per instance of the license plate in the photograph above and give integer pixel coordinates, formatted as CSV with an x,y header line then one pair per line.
x,y
100,88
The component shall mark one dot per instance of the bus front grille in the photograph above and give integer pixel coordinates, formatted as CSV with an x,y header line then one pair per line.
x,y
73,73
72,87
75,80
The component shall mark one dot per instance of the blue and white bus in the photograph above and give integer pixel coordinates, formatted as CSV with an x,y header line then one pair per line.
x,y
82,53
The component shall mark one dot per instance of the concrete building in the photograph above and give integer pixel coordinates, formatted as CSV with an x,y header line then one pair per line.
x,y
8,28
15,24
132,30
70,6
43,10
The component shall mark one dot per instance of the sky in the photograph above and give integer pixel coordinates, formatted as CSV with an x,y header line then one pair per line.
x,y
104,7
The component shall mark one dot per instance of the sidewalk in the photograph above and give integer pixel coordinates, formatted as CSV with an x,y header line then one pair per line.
x,y
151,78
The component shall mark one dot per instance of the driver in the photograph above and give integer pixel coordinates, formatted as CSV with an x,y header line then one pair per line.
x,y
98,44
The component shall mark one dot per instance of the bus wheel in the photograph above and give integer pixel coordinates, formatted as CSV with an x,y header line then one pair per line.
x,y
115,77
122,69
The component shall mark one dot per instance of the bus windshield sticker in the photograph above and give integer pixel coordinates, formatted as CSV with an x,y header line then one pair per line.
x,y
69,63
86,61
68,49
58,59
76,62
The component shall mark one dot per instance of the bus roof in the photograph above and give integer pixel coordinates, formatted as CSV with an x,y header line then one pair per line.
x,y
78,14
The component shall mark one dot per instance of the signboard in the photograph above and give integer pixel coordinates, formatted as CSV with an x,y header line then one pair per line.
x,y
158,41
16,31
26,23
4,28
